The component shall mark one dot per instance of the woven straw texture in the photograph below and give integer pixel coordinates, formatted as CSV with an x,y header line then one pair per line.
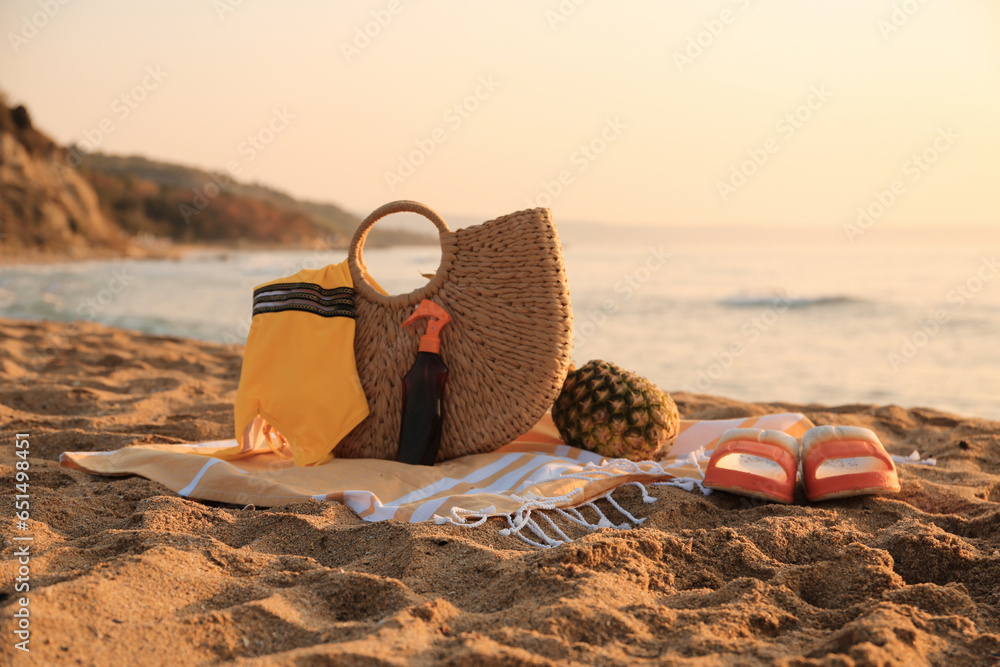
x,y
507,346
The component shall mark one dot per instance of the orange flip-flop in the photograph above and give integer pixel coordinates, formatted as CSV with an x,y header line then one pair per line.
x,y
841,461
754,462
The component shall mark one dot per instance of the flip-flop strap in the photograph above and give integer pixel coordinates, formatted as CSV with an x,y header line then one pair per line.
x,y
770,452
844,449
752,482
819,488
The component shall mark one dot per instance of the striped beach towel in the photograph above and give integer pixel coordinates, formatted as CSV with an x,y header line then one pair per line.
x,y
538,471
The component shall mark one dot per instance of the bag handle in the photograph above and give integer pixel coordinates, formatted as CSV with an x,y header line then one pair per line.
x,y
359,272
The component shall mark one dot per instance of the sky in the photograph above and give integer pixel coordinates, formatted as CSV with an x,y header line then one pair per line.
x,y
779,113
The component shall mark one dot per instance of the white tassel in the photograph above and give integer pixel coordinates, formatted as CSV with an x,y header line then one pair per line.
x,y
537,530
556,528
525,517
574,515
646,498
914,459
621,509
693,460
516,530
686,483
618,468
458,517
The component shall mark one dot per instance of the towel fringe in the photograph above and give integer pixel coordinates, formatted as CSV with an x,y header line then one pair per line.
x,y
517,531
458,516
573,514
618,468
646,498
686,483
692,460
552,535
623,511
537,530
914,459
556,528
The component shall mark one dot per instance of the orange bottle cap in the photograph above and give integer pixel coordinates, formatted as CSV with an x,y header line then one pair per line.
x,y
437,317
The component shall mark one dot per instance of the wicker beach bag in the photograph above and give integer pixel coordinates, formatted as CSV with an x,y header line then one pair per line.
x,y
507,346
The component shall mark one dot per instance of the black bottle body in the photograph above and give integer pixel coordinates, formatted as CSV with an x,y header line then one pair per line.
x,y
420,429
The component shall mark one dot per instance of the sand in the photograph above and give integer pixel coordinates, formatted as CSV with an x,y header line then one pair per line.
x,y
125,572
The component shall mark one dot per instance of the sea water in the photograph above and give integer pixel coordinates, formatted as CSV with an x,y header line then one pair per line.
x,y
910,318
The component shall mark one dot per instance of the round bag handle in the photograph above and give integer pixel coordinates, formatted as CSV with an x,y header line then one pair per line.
x,y
356,262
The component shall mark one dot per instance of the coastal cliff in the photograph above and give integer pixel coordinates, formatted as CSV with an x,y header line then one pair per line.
x,y
63,203
45,204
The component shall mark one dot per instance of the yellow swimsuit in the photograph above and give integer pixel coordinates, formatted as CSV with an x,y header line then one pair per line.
x,y
299,389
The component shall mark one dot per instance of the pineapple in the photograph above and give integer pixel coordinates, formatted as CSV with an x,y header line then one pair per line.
x,y
614,413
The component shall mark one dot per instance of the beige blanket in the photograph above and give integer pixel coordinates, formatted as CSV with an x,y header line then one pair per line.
x,y
536,471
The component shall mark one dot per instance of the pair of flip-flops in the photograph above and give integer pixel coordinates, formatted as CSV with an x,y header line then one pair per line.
x,y
835,462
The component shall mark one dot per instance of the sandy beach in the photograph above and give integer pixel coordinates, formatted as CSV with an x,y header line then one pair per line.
x,y
125,572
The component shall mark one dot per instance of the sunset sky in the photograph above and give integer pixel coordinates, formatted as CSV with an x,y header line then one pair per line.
x,y
730,112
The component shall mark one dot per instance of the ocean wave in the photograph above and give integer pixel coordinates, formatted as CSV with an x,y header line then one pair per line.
x,y
784,300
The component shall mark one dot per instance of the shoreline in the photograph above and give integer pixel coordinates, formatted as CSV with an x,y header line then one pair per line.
x,y
165,252
123,571
177,251
776,405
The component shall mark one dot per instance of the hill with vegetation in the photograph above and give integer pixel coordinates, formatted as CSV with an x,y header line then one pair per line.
x,y
46,206
186,204
59,201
